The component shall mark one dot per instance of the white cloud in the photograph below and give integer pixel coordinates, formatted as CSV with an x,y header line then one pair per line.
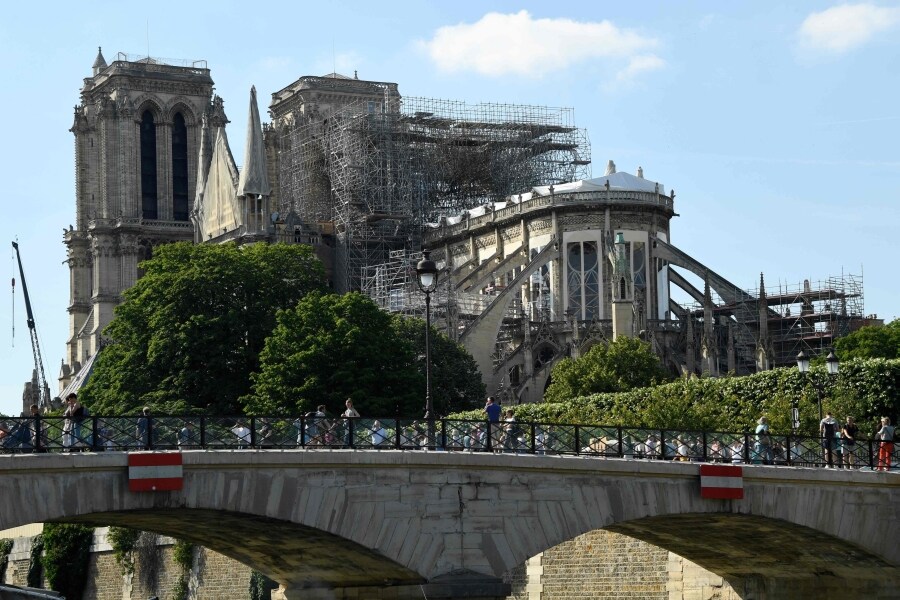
x,y
842,28
501,44
640,64
706,22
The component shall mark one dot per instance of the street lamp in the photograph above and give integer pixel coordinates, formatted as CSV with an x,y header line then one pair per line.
x,y
427,276
832,362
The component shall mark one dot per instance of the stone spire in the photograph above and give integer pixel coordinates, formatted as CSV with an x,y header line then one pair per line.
x,y
763,343
99,62
254,178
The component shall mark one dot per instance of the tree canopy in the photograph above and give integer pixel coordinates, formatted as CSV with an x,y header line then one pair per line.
x,y
455,380
329,348
874,341
189,332
618,366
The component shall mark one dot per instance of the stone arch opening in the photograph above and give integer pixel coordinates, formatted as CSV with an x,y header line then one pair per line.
x,y
755,557
296,555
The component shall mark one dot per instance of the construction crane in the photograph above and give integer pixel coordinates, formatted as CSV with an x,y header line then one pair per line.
x,y
44,389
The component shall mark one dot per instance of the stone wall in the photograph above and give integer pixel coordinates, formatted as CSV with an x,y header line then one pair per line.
x,y
604,565
598,565
212,577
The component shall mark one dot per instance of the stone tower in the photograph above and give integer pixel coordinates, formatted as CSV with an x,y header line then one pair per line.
x,y
137,142
622,286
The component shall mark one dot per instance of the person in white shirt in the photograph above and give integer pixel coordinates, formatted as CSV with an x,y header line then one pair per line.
x,y
379,435
243,435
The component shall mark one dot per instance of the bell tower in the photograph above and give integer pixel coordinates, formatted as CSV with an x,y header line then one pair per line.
x,y
137,142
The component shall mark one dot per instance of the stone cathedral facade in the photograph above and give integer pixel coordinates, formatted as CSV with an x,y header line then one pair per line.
x,y
528,277
137,142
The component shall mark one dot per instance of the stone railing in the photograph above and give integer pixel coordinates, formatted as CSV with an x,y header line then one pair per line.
x,y
514,211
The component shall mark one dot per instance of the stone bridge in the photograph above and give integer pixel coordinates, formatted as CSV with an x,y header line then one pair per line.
x,y
414,524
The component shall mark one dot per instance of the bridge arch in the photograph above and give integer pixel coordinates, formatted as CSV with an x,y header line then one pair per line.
x,y
402,518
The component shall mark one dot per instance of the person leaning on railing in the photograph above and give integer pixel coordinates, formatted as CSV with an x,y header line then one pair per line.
x,y
885,441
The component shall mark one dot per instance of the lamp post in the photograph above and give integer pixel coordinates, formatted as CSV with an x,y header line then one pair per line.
x,y
831,362
427,276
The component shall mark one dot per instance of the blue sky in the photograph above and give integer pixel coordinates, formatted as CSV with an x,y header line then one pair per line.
x,y
775,123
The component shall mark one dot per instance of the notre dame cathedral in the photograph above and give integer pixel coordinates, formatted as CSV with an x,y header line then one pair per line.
x,y
538,261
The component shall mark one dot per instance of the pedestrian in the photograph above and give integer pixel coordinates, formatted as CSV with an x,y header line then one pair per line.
x,y
650,446
512,432
379,435
349,414
74,415
143,431
763,441
493,411
737,451
827,428
242,432
885,441
187,437
848,433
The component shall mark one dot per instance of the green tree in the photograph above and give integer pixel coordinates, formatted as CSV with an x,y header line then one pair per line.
x,y
189,332
330,348
618,366
456,383
67,552
874,341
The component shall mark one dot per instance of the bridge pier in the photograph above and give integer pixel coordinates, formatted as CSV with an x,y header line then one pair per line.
x,y
464,585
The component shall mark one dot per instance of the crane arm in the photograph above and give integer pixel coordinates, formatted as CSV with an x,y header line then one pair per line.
x,y
35,345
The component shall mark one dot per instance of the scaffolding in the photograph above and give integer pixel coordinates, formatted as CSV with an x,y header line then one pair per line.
x,y
378,171
808,316
811,315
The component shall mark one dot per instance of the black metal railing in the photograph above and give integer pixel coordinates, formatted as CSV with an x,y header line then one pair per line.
x,y
116,433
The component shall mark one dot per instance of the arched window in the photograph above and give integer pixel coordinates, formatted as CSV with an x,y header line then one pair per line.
x,y
179,169
148,166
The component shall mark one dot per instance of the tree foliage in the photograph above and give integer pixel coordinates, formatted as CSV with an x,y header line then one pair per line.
x,y
618,366
189,332
67,552
455,380
330,348
881,341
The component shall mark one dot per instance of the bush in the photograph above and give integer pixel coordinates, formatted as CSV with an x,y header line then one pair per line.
x,y
863,389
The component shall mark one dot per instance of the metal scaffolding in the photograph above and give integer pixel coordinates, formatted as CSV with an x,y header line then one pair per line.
x,y
808,316
377,172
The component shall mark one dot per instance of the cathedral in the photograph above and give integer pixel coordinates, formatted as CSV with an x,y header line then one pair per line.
x,y
538,260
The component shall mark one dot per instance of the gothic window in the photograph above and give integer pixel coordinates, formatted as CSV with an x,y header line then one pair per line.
x,y
583,279
179,169
148,166
574,278
639,266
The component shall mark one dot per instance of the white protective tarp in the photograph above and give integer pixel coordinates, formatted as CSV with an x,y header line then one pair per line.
x,y
619,181
220,211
